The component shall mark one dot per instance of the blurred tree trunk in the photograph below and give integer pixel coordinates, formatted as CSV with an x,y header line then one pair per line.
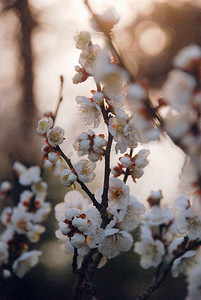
x,y
27,107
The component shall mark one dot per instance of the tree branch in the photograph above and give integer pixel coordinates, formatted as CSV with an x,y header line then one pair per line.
x,y
83,186
156,282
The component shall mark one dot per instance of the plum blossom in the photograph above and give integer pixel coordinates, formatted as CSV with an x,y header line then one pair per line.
x,y
108,19
6,215
158,216
139,162
194,280
53,157
89,110
178,89
126,161
180,264
79,221
26,261
67,177
82,39
118,193
29,175
91,144
72,199
25,200
19,168
84,169
80,76
186,56
136,92
34,234
55,136
5,187
124,132
151,250
187,221
115,241
44,125
21,220
132,217
88,57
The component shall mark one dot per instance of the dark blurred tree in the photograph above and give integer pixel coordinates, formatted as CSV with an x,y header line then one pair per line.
x,y
181,25
20,139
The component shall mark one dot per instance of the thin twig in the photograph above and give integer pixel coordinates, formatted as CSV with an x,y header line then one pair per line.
x,y
83,186
105,199
127,173
74,263
60,99
156,282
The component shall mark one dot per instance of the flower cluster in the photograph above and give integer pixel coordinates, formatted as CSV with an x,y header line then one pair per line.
x,y
132,165
80,222
99,227
171,235
183,94
22,220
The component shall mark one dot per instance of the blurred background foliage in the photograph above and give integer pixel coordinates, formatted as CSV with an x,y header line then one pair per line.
x,y
36,46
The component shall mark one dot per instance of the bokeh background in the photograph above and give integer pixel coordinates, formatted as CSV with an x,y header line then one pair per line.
x,y
36,47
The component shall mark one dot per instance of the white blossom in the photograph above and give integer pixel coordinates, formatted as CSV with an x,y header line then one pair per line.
x,y
158,216
136,92
91,144
5,187
98,97
77,240
67,177
132,217
108,19
186,56
115,241
72,199
118,193
151,252
82,39
84,169
44,125
21,221
180,264
126,161
89,110
53,157
124,132
34,234
29,175
178,89
6,215
26,261
194,281
89,56
55,136
41,213
19,168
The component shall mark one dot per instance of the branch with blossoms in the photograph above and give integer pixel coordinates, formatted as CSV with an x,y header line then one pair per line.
x,y
23,217
22,220
98,228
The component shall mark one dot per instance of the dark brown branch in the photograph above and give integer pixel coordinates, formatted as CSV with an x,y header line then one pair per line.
x,y
27,103
156,282
127,169
83,186
60,99
74,263
108,36
104,203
